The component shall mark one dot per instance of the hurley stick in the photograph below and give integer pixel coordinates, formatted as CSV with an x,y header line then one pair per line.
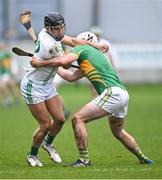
x,y
21,52
25,20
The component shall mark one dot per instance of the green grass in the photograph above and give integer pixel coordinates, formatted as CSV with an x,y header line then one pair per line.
x,y
110,159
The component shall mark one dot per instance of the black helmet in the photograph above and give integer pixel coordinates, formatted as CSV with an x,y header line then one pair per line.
x,y
54,19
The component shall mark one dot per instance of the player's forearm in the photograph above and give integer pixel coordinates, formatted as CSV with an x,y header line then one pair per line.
x,y
69,75
77,41
57,61
44,63
65,74
40,63
72,41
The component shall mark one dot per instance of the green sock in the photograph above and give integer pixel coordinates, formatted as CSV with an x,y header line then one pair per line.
x,y
49,139
83,154
33,151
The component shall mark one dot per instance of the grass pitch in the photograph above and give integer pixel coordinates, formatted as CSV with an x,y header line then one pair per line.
x,y
110,159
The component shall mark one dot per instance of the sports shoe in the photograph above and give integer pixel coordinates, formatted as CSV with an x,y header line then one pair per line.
x,y
79,163
33,161
146,161
52,152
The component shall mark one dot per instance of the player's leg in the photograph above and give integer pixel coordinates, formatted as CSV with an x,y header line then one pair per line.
x,y
116,125
54,106
88,113
119,104
65,109
58,80
15,90
4,88
41,114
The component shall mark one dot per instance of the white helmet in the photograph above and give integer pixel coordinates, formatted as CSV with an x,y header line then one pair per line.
x,y
88,36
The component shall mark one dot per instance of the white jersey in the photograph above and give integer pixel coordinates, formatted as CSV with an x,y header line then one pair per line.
x,y
47,48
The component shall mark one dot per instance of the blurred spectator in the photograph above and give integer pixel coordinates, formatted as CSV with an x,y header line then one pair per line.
x,y
8,85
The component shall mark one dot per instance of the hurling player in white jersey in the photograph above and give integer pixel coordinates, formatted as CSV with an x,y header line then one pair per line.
x,y
39,92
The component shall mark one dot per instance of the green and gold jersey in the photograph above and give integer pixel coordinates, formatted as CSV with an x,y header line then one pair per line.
x,y
97,68
5,62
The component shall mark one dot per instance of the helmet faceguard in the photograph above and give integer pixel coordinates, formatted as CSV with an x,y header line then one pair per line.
x,y
88,36
55,20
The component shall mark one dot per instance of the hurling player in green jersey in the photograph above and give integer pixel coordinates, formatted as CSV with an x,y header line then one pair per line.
x,y
8,86
112,99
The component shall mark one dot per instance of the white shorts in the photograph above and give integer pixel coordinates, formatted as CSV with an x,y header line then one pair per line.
x,y
35,93
113,100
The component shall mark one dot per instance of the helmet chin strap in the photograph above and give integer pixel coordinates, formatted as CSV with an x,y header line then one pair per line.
x,y
50,30
56,38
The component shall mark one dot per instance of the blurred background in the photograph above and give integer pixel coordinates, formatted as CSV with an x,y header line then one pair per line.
x,y
134,29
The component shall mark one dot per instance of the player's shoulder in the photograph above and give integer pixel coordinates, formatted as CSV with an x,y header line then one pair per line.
x,y
84,48
79,48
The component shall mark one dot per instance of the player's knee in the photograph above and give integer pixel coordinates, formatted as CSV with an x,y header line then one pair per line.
x,y
76,119
61,119
60,123
42,130
45,126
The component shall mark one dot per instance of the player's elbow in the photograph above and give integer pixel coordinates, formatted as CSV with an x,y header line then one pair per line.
x,y
74,42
